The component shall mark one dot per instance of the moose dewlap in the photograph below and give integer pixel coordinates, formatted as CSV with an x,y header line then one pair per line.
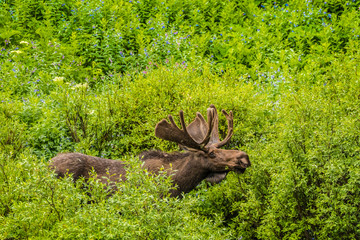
x,y
202,160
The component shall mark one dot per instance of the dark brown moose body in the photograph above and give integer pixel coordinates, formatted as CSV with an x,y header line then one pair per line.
x,y
81,165
202,159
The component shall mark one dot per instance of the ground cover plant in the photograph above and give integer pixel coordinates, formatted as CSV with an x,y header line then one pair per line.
x,y
96,76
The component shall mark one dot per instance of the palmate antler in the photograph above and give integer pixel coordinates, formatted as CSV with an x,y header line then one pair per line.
x,y
171,132
199,134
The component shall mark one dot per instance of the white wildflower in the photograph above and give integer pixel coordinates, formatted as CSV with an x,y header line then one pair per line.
x,y
84,85
24,42
58,79
16,51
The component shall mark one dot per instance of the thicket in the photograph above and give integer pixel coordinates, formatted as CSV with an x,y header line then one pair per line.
x,y
96,76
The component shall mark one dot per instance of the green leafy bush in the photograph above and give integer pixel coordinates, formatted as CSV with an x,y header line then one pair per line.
x,y
38,205
95,77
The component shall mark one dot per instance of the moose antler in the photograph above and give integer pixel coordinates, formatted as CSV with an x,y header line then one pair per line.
x,y
196,135
198,128
199,134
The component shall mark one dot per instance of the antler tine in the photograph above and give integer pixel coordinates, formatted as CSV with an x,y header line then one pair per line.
x,y
172,121
182,122
210,123
230,120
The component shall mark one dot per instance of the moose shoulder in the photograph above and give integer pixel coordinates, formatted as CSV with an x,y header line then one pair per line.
x,y
202,160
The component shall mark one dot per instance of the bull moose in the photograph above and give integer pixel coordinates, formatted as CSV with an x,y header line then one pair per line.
x,y
202,158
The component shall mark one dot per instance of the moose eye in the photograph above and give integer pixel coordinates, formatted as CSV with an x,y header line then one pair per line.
x,y
212,154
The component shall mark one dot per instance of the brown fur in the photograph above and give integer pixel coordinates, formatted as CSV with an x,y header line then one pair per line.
x,y
187,169
166,157
80,165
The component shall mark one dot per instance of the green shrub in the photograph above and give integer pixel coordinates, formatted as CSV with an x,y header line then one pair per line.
x,y
37,205
95,77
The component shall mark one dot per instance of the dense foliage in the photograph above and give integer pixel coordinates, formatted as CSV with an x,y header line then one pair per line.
x,y
95,76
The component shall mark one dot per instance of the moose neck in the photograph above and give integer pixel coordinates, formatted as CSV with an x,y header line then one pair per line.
x,y
188,169
189,173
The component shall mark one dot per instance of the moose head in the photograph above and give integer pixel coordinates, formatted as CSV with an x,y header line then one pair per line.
x,y
202,158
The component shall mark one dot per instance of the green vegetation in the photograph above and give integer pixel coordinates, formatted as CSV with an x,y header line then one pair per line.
x,y
96,76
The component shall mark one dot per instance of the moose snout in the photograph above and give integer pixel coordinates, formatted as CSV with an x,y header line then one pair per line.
x,y
245,165
244,161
